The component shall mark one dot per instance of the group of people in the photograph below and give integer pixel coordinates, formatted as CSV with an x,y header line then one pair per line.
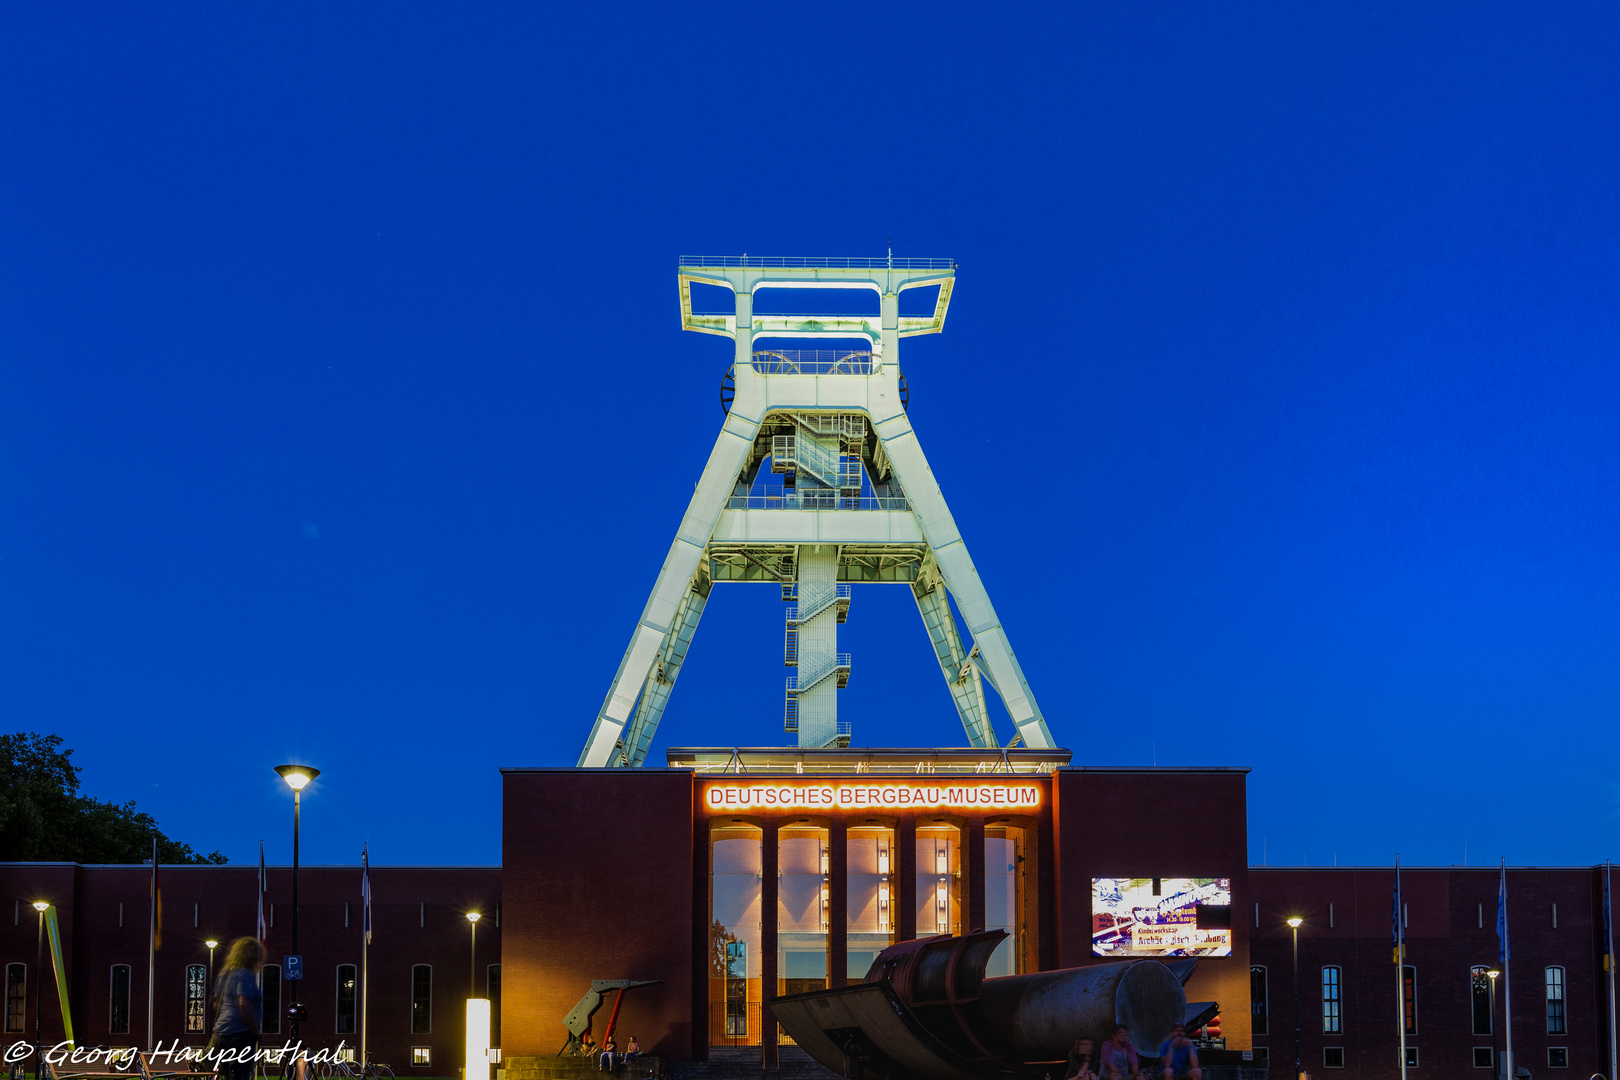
x,y
1178,1056
607,1055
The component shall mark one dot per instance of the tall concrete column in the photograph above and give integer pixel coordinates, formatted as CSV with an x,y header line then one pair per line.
x,y
818,646
745,329
768,881
973,875
905,878
837,903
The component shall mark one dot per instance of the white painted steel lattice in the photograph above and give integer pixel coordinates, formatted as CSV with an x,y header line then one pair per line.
x,y
848,498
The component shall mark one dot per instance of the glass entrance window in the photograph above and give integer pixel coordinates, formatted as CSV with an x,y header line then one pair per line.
x,y
871,894
1004,896
939,874
801,909
734,934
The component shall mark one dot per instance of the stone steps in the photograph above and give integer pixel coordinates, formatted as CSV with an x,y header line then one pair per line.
x,y
743,1063
577,1068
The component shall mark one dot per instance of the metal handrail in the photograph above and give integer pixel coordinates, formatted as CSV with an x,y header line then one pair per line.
x,y
813,263
812,362
818,500
832,664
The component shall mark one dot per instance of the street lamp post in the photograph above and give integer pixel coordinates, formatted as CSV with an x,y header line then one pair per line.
x,y
212,943
473,917
39,979
1294,923
1496,1067
298,778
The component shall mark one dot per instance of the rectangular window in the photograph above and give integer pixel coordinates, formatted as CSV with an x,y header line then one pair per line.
x,y
1556,1024
1557,1057
421,1002
736,856
1483,1056
421,1057
196,999
1411,1057
118,1009
1409,998
1332,1057
1257,999
346,983
16,996
1479,989
270,982
1332,1002
493,984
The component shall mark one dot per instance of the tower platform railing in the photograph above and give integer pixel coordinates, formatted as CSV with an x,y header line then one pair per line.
x,y
791,262
812,362
823,499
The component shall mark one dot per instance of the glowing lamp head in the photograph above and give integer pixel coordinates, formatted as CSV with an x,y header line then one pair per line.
x,y
1296,922
41,905
212,943
474,916
297,776
1492,973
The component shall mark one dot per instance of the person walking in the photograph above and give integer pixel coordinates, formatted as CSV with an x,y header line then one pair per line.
x,y
238,1009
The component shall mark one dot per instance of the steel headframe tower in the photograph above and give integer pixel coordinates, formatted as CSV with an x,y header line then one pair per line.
x,y
857,502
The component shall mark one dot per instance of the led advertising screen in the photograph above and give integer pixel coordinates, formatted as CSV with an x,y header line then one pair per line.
x,y
1161,917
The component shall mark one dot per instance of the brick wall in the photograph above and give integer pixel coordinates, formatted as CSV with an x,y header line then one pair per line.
x,y
419,918
1451,926
598,885
1157,823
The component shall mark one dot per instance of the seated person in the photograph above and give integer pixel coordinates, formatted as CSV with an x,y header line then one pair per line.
x,y
1119,1060
1179,1057
1082,1061
632,1049
587,1044
604,1060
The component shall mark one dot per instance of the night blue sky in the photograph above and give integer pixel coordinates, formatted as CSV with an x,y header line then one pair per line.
x,y
345,417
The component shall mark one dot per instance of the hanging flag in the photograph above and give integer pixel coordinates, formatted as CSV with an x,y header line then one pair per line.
x,y
1502,951
264,929
54,933
1608,924
1396,931
157,902
365,892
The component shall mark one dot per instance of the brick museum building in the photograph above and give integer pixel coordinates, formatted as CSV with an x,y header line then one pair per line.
x,y
735,876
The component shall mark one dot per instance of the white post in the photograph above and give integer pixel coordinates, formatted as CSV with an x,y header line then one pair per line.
x,y
477,1065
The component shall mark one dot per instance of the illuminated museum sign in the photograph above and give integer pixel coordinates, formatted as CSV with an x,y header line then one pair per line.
x,y
999,795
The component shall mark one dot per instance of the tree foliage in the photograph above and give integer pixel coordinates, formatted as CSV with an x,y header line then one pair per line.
x,y
43,818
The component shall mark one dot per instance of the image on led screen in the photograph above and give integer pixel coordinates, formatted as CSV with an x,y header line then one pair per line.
x,y
1161,916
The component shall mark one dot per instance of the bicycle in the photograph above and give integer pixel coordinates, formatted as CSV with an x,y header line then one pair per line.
x,y
350,1070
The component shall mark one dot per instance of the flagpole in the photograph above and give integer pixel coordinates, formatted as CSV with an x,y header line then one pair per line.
x,y
1507,979
151,947
1400,964
1609,958
365,948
